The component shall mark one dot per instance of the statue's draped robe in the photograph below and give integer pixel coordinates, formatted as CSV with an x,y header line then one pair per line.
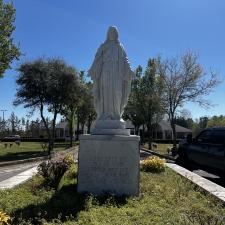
x,y
112,77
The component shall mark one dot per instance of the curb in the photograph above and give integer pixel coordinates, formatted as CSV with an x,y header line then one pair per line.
x,y
36,159
157,154
207,185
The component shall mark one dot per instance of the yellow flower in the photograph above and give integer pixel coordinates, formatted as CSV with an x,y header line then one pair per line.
x,y
4,219
153,164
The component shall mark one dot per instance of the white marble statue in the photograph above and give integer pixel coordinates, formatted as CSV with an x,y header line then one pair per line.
x,y
111,75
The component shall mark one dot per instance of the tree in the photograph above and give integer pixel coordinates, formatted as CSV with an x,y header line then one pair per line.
x,y
45,83
203,122
14,123
184,119
216,121
91,115
132,109
86,112
71,104
184,122
151,92
62,82
8,50
23,123
27,127
3,125
195,127
145,105
35,128
184,81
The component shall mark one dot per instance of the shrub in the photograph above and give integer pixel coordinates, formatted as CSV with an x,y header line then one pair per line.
x,y
44,145
153,164
68,159
4,218
54,169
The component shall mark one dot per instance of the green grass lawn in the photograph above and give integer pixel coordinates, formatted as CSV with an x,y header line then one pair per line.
x,y
24,151
161,148
165,198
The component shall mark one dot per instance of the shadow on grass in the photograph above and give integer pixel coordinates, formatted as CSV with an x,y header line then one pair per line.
x,y
65,203
22,155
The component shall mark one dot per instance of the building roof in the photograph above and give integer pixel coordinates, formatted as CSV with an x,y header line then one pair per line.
x,y
162,125
183,129
165,125
61,124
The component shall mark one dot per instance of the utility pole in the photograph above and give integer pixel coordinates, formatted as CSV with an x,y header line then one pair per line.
x,y
3,114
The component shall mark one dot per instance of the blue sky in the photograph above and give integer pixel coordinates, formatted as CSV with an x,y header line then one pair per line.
x,y
74,29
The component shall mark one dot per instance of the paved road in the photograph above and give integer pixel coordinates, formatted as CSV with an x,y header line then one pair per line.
x,y
12,170
9,171
144,154
216,178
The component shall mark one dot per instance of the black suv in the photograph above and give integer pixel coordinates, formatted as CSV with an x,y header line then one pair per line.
x,y
207,149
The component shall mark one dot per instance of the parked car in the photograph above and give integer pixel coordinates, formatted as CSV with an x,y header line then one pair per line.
x,y
12,137
206,149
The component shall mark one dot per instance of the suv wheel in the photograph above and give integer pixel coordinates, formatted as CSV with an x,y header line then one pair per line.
x,y
182,159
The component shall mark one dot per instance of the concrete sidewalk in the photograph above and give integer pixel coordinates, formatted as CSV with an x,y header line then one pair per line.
x,y
18,179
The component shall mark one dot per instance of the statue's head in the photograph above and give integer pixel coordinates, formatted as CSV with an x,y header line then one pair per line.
x,y
112,34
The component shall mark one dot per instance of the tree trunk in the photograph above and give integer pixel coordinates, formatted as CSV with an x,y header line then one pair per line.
x,y
71,132
47,128
174,150
70,119
78,128
82,128
136,130
89,126
149,127
53,131
143,134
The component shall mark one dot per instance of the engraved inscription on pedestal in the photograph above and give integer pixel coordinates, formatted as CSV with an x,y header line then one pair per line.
x,y
99,167
108,164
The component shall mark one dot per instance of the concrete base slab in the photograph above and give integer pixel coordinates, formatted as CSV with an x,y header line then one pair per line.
x,y
108,164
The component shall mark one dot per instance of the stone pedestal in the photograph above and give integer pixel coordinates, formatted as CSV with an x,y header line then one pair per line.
x,y
108,164
110,127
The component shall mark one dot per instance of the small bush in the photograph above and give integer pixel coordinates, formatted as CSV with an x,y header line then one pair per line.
x,y
68,159
153,164
4,218
54,169
44,145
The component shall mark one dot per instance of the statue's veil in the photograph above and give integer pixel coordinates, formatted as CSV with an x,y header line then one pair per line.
x,y
112,35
